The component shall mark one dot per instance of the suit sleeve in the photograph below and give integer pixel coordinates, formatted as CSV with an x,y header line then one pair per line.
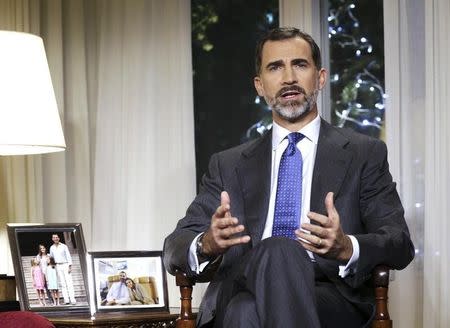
x,y
387,240
197,220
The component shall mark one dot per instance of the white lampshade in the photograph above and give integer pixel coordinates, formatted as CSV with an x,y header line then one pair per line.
x,y
29,118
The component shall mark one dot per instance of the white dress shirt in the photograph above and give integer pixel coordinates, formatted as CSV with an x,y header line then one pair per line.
x,y
61,254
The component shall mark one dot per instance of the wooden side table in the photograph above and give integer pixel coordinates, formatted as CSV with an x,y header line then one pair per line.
x,y
8,294
117,320
7,288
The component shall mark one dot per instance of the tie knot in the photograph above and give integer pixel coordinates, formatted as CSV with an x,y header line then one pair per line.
x,y
295,137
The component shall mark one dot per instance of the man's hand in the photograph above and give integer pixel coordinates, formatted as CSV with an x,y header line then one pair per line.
x,y
220,235
112,302
326,239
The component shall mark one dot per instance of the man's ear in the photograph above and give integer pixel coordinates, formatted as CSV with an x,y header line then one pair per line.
x,y
258,86
322,78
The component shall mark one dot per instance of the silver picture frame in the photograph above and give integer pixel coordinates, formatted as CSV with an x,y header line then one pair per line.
x,y
139,275
25,241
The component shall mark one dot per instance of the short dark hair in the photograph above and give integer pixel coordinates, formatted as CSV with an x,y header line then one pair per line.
x,y
283,33
51,260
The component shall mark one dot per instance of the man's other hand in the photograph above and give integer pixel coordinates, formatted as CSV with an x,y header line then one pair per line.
x,y
221,234
326,238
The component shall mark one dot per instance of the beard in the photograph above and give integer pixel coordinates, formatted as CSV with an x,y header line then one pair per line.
x,y
293,110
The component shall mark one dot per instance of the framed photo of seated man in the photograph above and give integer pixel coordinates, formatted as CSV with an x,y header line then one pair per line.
x,y
129,281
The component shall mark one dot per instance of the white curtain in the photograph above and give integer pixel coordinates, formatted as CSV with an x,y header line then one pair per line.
x,y
417,49
123,78
144,160
404,39
436,292
29,183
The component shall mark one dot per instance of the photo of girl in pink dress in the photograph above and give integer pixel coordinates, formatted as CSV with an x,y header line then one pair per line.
x,y
38,281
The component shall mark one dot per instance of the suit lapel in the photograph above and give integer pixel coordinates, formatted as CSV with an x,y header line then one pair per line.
x,y
331,165
254,176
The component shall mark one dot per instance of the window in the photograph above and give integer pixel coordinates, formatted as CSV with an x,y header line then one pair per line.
x,y
357,65
224,35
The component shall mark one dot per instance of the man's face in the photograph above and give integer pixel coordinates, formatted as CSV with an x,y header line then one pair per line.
x,y
55,239
123,276
289,80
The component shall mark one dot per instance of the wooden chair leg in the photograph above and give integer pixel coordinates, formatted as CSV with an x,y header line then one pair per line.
x,y
381,283
186,318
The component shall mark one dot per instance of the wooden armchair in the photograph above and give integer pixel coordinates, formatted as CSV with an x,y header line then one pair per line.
x,y
380,283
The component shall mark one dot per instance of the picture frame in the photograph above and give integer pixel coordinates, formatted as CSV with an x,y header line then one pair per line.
x,y
36,274
128,281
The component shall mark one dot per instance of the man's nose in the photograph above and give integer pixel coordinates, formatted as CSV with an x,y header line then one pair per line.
x,y
289,76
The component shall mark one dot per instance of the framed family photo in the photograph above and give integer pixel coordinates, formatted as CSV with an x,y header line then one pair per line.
x,y
129,281
50,267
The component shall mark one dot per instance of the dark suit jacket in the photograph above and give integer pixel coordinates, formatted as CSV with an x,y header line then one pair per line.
x,y
351,165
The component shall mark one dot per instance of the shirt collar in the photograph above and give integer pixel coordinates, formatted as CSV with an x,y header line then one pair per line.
x,y
310,131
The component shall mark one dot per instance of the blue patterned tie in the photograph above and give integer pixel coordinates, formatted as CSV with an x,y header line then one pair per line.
x,y
288,202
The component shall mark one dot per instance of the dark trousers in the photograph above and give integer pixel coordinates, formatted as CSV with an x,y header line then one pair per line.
x,y
277,285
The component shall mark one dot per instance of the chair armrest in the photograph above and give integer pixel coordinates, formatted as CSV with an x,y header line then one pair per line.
x,y
186,318
381,284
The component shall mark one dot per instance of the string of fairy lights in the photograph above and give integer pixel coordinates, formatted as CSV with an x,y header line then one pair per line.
x,y
358,95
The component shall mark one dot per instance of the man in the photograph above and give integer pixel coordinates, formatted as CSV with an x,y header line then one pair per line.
x,y
290,226
118,293
63,259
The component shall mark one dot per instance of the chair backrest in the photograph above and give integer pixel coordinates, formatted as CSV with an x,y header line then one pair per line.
x,y
149,283
112,279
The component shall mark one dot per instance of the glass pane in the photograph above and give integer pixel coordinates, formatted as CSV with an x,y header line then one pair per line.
x,y
357,65
224,35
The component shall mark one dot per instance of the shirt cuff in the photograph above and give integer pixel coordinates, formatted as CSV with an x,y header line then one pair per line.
x,y
350,268
193,259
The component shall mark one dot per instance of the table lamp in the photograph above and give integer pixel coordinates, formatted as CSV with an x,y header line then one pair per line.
x,y
29,118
